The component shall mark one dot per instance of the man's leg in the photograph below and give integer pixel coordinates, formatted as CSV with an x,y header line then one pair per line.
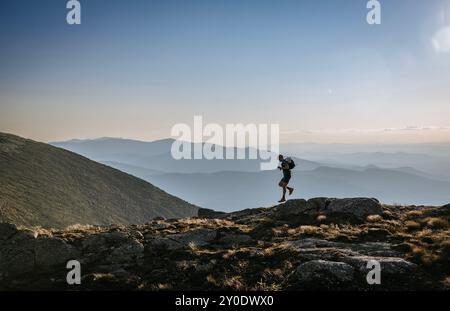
x,y
286,180
283,185
290,190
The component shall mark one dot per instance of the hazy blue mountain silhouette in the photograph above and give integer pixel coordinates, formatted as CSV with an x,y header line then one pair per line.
x,y
107,147
431,166
237,184
238,190
157,156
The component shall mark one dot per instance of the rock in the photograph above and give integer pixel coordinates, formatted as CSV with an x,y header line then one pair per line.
x,y
53,251
128,252
230,239
380,249
402,247
115,237
243,248
354,249
99,241
198,237
205,267
23,235
291,208
389,265
17,254
113,248
323,274
332,210
329,254
93,243
246,215
355,208
319,204
165,243
7,230
209,213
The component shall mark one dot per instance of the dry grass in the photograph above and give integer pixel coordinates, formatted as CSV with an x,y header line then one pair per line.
x,y
80,227
412,225
234,282
437,223
374,218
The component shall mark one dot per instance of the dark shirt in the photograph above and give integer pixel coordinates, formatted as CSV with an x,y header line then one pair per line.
x,y
285,167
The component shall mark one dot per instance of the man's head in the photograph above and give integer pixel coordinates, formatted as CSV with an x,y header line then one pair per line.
x,y
280,157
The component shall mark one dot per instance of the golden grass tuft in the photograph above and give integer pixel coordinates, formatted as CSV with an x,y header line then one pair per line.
x,y
436,222
374,218
310,229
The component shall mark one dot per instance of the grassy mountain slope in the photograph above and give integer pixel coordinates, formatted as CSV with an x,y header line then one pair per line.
x,y
51,187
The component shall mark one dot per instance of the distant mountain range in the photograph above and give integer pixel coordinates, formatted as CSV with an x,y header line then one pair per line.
x,y
432,166
231,185
41,185
157,156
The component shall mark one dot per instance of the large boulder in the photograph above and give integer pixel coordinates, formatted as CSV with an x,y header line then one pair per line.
x,y
389,265
323,274
319,204
17,253
7,230
113,248
128,252
291,208
50,251
355,208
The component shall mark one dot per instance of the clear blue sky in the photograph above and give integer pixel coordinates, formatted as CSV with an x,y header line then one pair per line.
x,y
135,68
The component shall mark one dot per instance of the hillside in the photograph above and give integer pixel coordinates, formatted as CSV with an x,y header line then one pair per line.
x,y
319,244
41,185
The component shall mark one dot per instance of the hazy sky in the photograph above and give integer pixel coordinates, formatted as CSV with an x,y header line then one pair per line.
x,y
135,68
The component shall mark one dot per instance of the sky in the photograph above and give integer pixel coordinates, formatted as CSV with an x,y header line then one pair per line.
x,y
134,69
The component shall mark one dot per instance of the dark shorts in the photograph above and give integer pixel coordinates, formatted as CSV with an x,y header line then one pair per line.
x,y
286,177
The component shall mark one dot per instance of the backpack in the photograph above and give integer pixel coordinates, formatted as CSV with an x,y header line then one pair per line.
x,y
290,162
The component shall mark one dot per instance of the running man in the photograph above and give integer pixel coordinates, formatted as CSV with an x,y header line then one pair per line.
x,y
286,165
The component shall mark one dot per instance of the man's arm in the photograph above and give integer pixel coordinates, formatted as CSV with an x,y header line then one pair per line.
x,y
284,166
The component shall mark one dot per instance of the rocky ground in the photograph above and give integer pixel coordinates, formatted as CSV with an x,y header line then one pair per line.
x,y
302,245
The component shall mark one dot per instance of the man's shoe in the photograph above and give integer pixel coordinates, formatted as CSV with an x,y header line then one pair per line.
x,y
282,200
291,190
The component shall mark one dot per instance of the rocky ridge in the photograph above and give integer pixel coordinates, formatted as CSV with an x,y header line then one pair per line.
x,y
319,244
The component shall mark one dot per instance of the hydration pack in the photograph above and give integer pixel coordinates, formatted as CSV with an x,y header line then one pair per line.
x,y
290,162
